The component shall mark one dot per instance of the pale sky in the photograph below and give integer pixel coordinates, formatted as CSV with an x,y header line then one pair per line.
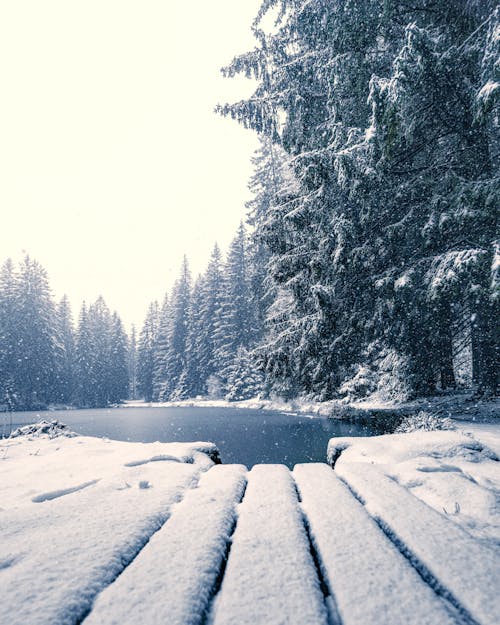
x,y
112,162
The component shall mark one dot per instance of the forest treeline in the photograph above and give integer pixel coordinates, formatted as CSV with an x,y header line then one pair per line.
x,y
198,342
44,359
372,259
201,340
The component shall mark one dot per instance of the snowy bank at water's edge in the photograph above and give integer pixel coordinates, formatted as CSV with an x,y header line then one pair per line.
x,y
455,472
295,406
384,416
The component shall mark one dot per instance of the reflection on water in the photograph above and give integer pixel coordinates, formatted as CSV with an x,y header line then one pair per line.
x,y
242,436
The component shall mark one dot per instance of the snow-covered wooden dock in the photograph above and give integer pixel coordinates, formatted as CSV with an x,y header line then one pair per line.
x,y
171,538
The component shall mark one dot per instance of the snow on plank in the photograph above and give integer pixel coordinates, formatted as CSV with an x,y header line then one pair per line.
x,y
270,575
57,555
173,578
460,567
370,581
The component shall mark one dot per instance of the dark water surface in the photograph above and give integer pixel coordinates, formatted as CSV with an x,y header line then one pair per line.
x,y
242,436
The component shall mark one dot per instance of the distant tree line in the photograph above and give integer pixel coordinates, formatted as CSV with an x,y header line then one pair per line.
x,y
376,193
44,359
200,340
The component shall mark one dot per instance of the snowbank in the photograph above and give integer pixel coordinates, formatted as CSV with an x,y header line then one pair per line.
x,y
460,406
294,406
456,473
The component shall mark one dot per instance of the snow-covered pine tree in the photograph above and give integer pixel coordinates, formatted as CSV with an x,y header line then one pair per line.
x,y
35,368
313,71
66,354
132,363
99,318
8,337
119,373
244,380
161,348
433,153
85,360
194,378
391,223
234,326
175,363
145,353
210,306
267,182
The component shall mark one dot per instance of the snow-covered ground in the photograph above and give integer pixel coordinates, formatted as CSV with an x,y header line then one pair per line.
x,y
461,406
455,472
294,406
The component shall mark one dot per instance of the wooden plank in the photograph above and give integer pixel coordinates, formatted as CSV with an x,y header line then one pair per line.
x,y
57,555
459,566
370,581
173,578
270,576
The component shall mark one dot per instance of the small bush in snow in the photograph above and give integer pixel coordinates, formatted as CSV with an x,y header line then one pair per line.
x,y
362,384
424,422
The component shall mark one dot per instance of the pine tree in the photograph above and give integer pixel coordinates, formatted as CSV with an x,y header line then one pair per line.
x,y
119,375
85,359
100,326
145,353
235,323
36,368
433,151
211,300
132,363
312,220
387,113
8,337
244,381
194,377
176,356
161,350
270,179
66,353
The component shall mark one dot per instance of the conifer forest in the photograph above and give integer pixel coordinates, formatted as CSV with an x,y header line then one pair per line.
x,y
369,262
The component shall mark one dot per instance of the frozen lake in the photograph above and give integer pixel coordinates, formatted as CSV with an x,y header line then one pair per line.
x,y
243,436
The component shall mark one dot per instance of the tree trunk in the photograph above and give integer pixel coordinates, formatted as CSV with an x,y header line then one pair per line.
x,y
476,358
444,345
488,348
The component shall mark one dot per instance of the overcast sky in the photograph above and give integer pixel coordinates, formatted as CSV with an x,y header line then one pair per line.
x,y
112,162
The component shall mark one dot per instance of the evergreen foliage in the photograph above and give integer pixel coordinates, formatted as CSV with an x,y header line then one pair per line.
x,y
66,374
244,380
383,231
43,360
203,339
146,353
